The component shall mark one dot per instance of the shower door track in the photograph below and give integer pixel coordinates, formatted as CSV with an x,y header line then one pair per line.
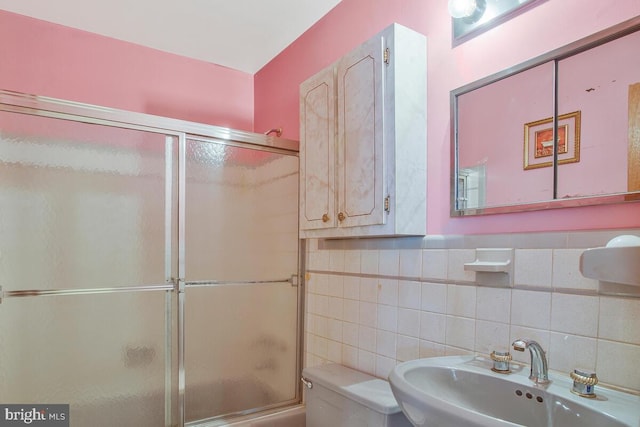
x,y
43,106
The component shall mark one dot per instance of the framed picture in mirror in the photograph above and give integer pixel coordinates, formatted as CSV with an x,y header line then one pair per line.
x,y
538,141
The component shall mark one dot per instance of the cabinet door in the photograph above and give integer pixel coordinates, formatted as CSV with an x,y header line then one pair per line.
x,y
317,152
361,177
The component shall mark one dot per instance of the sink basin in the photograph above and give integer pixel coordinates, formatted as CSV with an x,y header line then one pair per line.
x,y
463,391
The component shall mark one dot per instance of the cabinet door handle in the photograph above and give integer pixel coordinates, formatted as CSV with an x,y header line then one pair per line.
x,y
341,217
325,218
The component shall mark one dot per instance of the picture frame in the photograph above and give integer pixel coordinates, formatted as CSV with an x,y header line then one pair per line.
x,y
538,141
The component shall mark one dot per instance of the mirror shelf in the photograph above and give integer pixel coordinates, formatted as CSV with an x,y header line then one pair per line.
x,y
560,130
552,204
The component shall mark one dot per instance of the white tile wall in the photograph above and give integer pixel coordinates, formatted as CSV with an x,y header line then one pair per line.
x,y
389,263
431,349
565,274
388,318
571,351
434,297
457,258
388,292
370,309
491,336
574,314
408,348
369,262
352,261
461,300
493,304
432,327
460,332
620,319
409,294
409,322
336,260
351,288
529,272
435,264
531,309
411,263
617,363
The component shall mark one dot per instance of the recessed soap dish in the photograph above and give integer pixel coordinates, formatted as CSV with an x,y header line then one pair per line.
x,y
493,266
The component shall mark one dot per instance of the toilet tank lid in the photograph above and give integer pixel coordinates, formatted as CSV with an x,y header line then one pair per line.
x,y
372,392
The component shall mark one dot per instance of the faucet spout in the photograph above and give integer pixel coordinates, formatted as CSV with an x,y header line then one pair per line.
x,y
539,369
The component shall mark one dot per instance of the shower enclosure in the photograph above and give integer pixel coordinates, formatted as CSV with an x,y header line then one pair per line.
x,y
148,266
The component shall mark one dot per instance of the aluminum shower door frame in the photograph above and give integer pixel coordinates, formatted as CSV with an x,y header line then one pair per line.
x,y
174,130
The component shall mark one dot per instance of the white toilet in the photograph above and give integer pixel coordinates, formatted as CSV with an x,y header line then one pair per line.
x,y
343,397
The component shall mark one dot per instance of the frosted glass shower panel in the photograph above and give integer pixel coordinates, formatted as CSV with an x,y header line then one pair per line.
x,y
241,213
240,350
82,205
103,354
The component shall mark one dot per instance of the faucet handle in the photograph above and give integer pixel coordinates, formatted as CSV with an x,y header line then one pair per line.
x,y
584,382
501,361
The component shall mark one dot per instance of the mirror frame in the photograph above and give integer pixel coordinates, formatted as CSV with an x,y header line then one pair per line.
x,y
620,30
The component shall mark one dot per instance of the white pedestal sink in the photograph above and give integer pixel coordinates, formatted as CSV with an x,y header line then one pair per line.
x,y
463,391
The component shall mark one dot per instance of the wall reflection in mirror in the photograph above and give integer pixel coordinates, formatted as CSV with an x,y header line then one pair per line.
x,y
560,130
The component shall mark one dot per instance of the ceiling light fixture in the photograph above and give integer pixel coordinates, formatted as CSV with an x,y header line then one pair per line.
x,y
462,8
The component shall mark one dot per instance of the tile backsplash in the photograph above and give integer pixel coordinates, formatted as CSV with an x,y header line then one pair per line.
x,y
373,303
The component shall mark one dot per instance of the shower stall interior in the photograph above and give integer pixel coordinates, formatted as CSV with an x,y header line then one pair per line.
x,y
148,266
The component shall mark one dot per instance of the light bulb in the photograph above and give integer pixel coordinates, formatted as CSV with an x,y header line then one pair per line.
x,y
462,8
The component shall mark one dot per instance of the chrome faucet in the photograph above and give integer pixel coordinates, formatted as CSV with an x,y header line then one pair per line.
x,y
539,369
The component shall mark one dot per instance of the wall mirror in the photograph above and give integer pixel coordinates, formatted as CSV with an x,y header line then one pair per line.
x,y
557,131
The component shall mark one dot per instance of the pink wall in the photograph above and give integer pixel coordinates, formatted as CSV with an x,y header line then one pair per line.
x,y
491,130
546,27
600,89
52,60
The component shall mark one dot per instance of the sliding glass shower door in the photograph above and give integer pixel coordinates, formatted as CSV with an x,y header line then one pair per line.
x,y
240,268
82,269
148,276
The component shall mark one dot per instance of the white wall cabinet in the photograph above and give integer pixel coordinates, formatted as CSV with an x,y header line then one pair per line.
x,y
363,141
